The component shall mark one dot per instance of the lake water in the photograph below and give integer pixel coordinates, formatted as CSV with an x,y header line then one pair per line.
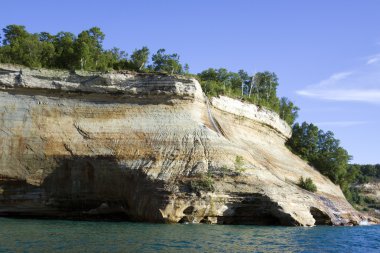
x,y
24,235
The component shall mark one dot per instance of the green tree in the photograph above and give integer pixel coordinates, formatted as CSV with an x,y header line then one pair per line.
x,y
109,59
21,47
209,75
264,89
186,68
243,75
322,150
88,48
117,59
212,88
64,50
47,56
235,81
288,111
166,62
230,82
304,140
139,58
13,33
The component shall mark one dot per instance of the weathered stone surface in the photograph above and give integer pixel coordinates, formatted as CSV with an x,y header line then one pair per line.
x,y
370,191
143,147
253,112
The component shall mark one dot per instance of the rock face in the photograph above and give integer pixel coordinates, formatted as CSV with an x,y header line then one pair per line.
x,y
370,192
150,148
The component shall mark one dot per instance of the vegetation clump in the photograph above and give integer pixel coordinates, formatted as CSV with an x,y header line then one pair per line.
x,y
365,173
239,162
259,89
324,152
361,174
307,184
85,51
205,183
224,170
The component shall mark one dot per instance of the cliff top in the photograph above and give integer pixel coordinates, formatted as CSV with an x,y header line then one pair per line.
x,y
115,82
129,83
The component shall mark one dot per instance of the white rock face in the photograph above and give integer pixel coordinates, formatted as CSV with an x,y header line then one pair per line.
x,y
143,147
99,83
253,112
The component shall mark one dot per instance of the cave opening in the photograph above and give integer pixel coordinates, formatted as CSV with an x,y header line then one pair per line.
x,y
189,210
261,219
256,209
321,218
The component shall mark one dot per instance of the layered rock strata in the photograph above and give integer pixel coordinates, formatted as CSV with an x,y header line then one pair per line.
x,y
150,148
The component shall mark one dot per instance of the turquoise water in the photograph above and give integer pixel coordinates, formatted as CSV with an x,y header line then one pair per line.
x,y
23,235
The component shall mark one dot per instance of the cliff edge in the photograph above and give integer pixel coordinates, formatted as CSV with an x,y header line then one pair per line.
x,y
152,148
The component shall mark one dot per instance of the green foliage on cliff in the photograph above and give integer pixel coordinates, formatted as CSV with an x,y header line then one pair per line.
x,y
139,58
239,163
323,152
168,63
307,184
260,89
361,174
321,149
85,51
365,173
204,183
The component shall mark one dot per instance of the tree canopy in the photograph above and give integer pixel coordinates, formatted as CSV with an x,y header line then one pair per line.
x,y
321,149
324,152
139,58
163,62
85,51
363,173
260,89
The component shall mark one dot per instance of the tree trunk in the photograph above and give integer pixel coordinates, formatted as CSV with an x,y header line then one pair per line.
x,y
250,88
141,66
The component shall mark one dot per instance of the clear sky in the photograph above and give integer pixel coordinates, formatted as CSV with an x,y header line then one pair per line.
x,y
325,53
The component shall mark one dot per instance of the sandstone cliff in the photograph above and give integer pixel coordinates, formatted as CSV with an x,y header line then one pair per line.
x,y
151,148
370,192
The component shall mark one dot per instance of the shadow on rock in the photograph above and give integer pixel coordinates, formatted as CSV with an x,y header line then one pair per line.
x,y
256,209
88,188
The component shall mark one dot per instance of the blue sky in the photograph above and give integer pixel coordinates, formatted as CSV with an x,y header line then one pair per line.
x,y
325,53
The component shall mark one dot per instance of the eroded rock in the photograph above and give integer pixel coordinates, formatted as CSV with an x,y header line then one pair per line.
x,y
144,147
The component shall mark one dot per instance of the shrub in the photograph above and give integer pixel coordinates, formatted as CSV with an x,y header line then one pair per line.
x,y
205,183
307,184
239,162
224,170
322,151
369,200
353,195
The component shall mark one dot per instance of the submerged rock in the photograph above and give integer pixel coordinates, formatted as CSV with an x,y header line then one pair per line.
x,y
150,148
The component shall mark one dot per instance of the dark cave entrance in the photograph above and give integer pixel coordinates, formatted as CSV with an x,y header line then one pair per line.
x,y
320,217
256,209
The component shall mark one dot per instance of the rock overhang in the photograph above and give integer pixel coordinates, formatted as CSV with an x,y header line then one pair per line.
x,y
149,136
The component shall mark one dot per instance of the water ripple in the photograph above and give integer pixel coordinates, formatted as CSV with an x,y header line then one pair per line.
x,y
75,236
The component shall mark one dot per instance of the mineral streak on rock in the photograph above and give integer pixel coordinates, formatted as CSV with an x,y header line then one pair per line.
x,y
142,147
